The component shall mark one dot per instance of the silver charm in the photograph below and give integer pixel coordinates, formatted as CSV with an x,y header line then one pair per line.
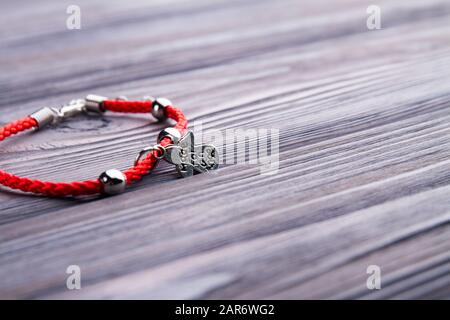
x,y
190,158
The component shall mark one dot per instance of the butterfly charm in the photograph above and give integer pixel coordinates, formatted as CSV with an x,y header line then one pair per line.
x,y
190,158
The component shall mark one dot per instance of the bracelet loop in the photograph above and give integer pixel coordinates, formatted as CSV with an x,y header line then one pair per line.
x,y
161,152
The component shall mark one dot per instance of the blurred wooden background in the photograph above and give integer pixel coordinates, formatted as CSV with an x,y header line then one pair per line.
x,y
364,173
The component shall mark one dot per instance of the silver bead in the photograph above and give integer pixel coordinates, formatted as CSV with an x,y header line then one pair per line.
x,y
72,109
171,133
113,181
158,108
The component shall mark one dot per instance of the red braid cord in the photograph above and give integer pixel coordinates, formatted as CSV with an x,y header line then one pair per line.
x,y
89,187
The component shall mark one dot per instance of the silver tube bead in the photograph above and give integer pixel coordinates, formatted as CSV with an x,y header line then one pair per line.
x,y
45,116
94,103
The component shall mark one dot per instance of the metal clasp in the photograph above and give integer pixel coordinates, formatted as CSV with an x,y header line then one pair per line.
x,y
74,108
48,116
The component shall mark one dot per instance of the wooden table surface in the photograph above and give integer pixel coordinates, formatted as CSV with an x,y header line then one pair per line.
x,y
364,149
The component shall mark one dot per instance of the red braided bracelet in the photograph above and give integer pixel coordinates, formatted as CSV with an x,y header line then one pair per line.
x,y
172,146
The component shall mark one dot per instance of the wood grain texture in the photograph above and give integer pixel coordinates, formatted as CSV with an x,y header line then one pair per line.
x,y
364,172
